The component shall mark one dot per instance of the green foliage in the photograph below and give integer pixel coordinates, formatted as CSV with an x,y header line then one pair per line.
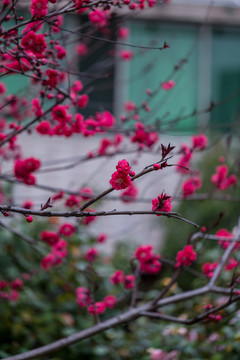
x,y
204,212
47,310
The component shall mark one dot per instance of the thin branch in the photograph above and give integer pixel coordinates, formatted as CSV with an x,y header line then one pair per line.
x,y
100,196
165,46
221,264
18,233
168,287
128,316
135,287
173,319
81,214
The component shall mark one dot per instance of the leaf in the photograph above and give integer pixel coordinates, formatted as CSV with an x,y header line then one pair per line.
x,y
166,150
46,205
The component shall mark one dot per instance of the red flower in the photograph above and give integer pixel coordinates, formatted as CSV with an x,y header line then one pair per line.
x,y
199,141
81,49
186,256
39,8
101,238
123,33
82,101
149,262
105,119
129,194
184,160
77,86
120,182
44,128
23,169
52,80
129,281
88,219
14,295
110,301
221,180
29,219
16,284
60,51
91,254
66,229
34,42
60,114
151,266
144,252
227,234
208,268
120,178
232,263
27,204
3,284
83,296
86,193
126,55
129,106
50,237
191,185
36,107
56,256
143,137
71,201
60,251
98,17
48,261
117,277
97,308
162,203
168,85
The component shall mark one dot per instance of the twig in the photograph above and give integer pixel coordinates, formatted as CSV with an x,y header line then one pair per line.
x,y
80,214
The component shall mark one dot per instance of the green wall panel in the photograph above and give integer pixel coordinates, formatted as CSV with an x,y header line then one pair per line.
x,y
149,68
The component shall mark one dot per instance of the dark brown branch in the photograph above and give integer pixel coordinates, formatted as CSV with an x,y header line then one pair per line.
x,y
81,214
128,316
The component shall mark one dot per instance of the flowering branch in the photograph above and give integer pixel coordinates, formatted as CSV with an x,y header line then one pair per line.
x,y
80,214
128,316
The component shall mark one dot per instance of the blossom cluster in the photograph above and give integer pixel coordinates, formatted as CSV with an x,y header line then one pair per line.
x,y
209,267
23,170
186,256
107,143
129,194
85,300
59,249
119,277
34,44
162,203
199,142
148,261
10,291
39,8
67,126
121,178
143,137
221,179
190,185
224,233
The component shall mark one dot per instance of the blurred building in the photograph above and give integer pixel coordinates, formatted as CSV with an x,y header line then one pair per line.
x,y
203,59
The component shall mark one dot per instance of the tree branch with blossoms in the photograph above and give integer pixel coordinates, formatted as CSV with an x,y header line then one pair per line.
x,y
96,288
